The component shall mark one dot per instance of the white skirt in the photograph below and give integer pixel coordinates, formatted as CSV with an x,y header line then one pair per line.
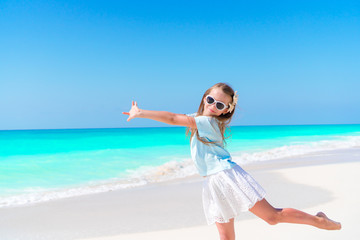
x,y
228,193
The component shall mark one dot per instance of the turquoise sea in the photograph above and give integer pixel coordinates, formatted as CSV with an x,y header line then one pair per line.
x,y
39,165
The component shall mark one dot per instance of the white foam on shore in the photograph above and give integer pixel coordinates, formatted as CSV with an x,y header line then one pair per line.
x,y
343,142
176,169
47,195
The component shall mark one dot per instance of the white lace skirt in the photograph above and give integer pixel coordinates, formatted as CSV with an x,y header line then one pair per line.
x,y
228,193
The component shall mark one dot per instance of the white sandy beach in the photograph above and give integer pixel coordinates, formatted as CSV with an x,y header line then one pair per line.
x,y
326,181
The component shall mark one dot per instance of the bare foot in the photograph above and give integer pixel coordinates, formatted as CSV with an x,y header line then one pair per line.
x,y
327,223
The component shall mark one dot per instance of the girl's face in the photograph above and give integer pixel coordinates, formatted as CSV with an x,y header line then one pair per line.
x,y
219,95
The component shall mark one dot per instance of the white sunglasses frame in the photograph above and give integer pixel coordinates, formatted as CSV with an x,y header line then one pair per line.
x,y
216,102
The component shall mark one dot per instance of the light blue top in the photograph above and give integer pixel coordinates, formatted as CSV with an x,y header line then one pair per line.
x,y
209,158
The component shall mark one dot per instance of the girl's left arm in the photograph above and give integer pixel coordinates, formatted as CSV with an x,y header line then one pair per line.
x,y
161,116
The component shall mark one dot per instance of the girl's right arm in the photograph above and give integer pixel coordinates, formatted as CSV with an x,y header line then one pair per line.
x,y
161,116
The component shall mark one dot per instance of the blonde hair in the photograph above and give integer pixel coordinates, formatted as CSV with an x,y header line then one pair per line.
x,y
223,120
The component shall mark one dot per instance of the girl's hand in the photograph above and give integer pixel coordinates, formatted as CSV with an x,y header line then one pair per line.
x,y
134,111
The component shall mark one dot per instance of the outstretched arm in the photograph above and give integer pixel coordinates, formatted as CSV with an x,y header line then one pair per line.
x,y
161,116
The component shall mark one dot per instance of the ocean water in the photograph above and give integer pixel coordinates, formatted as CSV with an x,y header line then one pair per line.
x,y
40,165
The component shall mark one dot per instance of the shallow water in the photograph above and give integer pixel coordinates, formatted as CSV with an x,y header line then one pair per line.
x,y
38,165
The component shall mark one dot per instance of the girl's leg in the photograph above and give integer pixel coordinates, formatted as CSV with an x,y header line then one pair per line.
x,y
273,216
226,230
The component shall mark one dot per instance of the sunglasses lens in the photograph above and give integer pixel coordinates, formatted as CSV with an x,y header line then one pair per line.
x,y
210,100
220,106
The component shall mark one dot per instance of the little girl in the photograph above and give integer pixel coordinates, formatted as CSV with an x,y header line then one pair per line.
x,y
228,190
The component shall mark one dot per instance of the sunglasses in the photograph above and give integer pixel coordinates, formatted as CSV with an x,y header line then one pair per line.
x,y
219,105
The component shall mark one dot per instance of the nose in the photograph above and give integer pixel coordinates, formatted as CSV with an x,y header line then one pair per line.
x,y
212,107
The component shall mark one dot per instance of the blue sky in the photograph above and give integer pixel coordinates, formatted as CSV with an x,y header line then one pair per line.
x,y
78,64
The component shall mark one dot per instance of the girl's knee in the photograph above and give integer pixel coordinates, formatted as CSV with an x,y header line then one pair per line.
x,y
226,230
272,220
275,217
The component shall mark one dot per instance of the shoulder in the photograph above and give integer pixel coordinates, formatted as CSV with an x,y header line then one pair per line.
x,y
191,114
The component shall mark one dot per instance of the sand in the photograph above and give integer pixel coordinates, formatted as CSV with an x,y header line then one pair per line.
x,y
324,181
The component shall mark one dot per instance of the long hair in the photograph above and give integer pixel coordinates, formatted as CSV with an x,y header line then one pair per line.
x,y
223,120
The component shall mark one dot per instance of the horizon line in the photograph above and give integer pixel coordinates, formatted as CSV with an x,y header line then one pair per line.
x,y
175,126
